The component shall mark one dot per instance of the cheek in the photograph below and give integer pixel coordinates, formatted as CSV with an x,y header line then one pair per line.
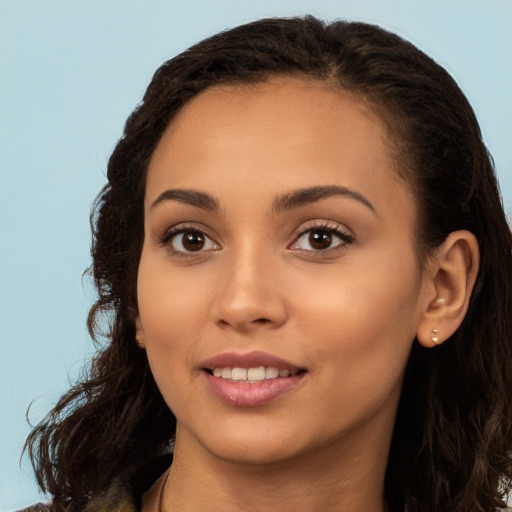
x,y
362,323
169,309
169,302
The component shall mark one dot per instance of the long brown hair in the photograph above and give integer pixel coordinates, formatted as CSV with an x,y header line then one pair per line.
x,y
451,449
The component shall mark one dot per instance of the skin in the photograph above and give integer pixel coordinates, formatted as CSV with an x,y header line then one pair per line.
x,y
347,315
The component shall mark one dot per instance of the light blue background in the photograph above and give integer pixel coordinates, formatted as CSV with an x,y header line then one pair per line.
x,y
70,73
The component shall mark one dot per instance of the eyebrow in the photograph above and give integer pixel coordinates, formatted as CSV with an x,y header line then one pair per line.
x,y
192,197
310,195
295,199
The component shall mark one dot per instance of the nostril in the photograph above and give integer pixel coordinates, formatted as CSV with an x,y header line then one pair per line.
x,y
261,321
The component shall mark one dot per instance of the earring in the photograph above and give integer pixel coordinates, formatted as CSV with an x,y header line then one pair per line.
x,y
434,338
140,341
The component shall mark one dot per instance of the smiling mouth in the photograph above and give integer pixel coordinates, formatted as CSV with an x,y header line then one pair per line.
x,y
256,374
250,379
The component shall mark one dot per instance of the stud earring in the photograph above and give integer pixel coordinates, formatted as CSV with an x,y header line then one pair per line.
x,y
140,341
434,338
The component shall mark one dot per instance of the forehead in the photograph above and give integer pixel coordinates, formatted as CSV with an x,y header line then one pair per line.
x,y
275,136
293,107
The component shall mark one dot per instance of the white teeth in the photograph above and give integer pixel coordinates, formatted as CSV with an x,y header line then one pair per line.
x,y
226,373
251,374
238,374
256,373
271,373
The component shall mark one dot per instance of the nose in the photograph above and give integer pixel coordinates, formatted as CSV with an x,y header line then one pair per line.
x,y
250,295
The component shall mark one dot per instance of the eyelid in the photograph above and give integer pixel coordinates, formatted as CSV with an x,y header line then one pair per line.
x,y
180,227
184,227
330,226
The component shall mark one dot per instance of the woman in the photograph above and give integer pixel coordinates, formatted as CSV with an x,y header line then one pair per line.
x,y
305,281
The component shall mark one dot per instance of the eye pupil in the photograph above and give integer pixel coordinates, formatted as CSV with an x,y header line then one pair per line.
x,y
193,241
320,239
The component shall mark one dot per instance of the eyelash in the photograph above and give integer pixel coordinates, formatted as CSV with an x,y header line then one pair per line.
x,y
166,239
332,229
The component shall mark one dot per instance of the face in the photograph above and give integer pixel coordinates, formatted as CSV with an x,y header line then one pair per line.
x,y
279,248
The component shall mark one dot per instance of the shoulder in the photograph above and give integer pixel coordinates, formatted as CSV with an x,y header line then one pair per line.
x,y
124,493
115,499
38,507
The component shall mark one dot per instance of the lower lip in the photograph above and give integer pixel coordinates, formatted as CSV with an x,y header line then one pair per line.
x,y
251,394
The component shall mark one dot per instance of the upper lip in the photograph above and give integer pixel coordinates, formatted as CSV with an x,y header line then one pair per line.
x,y
248,360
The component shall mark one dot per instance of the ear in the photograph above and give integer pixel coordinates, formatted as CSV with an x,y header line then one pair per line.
x,y
139,333
451,276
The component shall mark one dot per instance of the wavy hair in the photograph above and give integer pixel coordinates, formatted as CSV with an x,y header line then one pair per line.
x,y
451,447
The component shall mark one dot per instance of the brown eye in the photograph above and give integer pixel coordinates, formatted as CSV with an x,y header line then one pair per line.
x,y
317,239
191,241
320,239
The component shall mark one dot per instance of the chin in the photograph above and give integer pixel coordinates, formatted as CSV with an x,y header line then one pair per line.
x,y
257,452
262,443
255,444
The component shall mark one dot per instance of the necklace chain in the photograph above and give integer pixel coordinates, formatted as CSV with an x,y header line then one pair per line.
x,y
161,497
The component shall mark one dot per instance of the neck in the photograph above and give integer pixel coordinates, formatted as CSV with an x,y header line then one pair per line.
x,y
346,477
